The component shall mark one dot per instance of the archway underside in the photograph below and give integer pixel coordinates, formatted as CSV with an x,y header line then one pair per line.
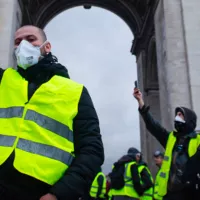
x,y
138,14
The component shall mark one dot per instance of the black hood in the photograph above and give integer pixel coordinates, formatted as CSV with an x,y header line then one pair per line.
x,y
190,119
125,159
45,69
133,151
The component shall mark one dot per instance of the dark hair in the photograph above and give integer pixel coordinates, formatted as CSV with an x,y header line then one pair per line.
x,y
41,31
43,34
133,151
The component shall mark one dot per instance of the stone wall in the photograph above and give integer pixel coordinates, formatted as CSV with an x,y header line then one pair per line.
x,y
172,60
191,25
10,20
152,98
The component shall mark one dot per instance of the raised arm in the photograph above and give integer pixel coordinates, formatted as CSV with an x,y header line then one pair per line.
x,y
153,126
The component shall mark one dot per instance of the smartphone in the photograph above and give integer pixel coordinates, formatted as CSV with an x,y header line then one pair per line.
x,y
136,84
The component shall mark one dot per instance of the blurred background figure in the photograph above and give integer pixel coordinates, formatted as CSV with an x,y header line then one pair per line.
x,y
130,178
158,159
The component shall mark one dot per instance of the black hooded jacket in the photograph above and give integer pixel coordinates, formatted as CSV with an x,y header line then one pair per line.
x,y
180,160
145,177
89,153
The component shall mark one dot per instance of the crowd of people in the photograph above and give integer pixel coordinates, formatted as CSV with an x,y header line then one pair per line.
x,y
130,179
51,146
178,176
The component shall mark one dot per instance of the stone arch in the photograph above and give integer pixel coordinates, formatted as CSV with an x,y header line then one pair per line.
x,y
131,18
176,43
137,14
42,12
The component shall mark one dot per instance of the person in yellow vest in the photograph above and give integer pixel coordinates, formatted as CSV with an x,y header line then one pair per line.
x,y
98,187
158,159
127,181
50,142
147,181
180,145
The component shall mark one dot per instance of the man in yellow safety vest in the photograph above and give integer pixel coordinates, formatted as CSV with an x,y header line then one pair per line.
x,y
98,187
180,146
50,142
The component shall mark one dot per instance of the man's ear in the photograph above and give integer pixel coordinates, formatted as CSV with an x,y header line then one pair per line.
x,y
47,47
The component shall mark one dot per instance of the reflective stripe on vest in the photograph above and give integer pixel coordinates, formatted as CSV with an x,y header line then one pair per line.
x,y
166,165
45,150
50,124
7,141
39,130
95,187
11,112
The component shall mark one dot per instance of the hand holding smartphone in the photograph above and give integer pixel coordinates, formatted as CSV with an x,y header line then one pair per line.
x,y
138,95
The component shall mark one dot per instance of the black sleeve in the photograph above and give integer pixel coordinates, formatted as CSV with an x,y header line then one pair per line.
x,y
154,127
146,179
89,153
1,73
136,180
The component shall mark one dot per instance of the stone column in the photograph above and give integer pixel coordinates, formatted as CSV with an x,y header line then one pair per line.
x,y
191,23
10,20
152,98
148,143
171,59
143,133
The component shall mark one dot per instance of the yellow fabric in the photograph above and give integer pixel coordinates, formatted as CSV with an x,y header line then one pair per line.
x,y
110,194
128,189
95,187
156,185
193,145
165,169
148,194
56,100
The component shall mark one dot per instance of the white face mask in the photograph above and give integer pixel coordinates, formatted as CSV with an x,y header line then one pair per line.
x,y
27,55
179,119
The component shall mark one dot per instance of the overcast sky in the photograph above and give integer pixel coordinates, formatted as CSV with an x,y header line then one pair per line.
x,y
95,47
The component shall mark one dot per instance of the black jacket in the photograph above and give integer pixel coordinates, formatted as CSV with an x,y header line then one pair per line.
x,y
89,153
179,165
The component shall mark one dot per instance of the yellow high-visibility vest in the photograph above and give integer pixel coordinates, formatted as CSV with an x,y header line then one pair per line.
x,y
156,186
39,130
166,165
95,187
128,189
148,194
